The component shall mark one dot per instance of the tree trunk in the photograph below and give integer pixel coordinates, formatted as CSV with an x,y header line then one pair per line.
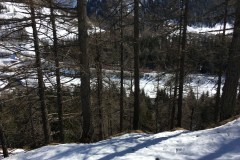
x,y
85,71
57,72
173,111
98,61
182,62
122,69
228,99
136,66
191,118
221,67
176,78
30,109
3,142
157,106
41,92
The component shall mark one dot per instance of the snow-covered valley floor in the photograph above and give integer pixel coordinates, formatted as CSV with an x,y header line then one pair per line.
x,y
218,143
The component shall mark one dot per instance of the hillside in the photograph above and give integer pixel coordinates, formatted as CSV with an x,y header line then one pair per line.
x,y
202,83
218,143
54,59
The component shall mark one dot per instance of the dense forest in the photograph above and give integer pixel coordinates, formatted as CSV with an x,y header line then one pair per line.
x,y
77,71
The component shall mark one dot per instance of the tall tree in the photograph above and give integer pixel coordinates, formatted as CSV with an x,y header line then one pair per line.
x,y
57,72
176,78
41,92
221,65
136,66
84,70
182,62
228,99
122,67
98,61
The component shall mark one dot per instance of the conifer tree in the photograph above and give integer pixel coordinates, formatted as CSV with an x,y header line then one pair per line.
x,y
84,70
228,99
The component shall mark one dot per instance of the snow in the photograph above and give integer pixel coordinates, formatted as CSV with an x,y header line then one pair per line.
x,y
213,30
149,82
218,143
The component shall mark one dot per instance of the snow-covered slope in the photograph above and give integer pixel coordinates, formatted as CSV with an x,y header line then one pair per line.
x,y
218,143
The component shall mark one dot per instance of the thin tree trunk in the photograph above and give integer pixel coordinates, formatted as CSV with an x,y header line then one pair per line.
x,y
85,71
176,84
136,66
182,61
172,123
30,109
157,106
99,87
110,126
228,99
44,112
57,72
191,118
170,105
238,94
122,69
219,82
3,142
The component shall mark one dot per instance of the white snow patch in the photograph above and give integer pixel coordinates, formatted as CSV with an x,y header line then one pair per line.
x,y
218,143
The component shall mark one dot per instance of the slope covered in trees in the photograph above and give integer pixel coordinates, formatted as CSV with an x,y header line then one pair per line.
x,y
70,73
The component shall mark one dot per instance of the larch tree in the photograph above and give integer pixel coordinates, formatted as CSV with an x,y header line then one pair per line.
x,y
176,78
84,71
3,142
122,68
41,92
98,61
136,66
57,71
228,99
221,64
182,62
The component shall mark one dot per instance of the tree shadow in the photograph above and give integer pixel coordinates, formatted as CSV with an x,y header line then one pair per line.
x,y
145,144
88,150
231,147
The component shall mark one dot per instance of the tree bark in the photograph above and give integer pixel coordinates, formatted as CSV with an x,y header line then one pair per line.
x,y
157,106
57,72
122,69
84,71
30,112
136,66
173,111
221,68
98,61
182,62
176,78
228,99
41,93
3,142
